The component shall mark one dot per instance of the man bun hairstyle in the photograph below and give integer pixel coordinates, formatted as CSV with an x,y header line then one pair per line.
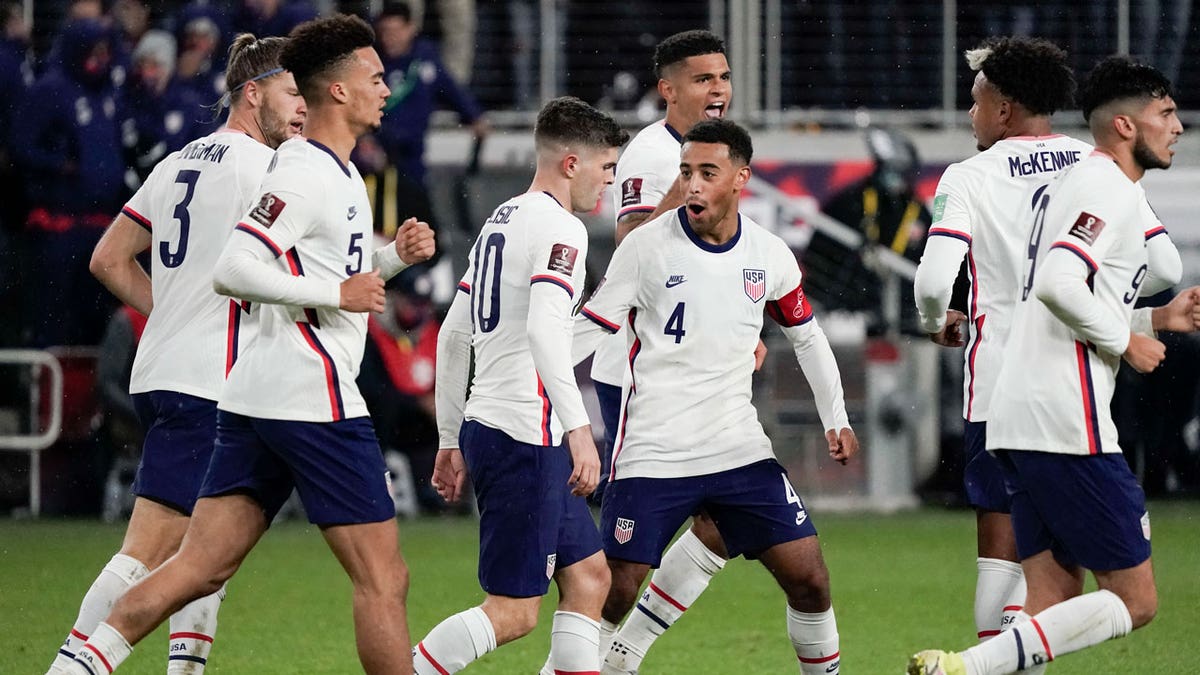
x,y
1118,78
568,121
1031,71
680,46
725,132
317,49
251,59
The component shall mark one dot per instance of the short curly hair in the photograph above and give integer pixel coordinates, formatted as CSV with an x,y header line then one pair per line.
x,y
725,132
1031,71
1120,77
319,48
568,120
680,46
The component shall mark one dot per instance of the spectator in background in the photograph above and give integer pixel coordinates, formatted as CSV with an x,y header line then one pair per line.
x,y
1160,28
200,65
164,113
120,432
419,83
398,374
266,18
16,74
66,142
456,28
886,210
130,21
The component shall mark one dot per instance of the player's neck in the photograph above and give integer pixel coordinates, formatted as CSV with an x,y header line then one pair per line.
x,y
1122,155
560,189
677,121
720,232
331,129
246,122
1031,126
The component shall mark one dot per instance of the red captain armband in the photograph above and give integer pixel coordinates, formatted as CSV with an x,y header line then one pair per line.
x,y
792,309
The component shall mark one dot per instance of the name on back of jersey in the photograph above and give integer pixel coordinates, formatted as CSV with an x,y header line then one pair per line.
x,y
1046,161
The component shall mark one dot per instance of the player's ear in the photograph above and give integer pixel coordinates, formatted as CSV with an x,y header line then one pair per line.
x,y
338,91
666,90
251,93
742,177
1124,126
569,164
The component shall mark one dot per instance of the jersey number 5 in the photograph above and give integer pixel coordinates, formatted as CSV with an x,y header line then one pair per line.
x,y
188,177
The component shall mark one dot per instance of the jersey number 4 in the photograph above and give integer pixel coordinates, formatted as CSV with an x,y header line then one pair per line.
x,y
674,325
188,177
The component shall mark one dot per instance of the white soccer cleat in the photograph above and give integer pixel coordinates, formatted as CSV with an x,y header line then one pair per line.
x,y
936,662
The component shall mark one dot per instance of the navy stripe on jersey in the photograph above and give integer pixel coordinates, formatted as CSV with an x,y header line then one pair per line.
x,y
332,154
704,245
1087,388
464,287
674,134
599,320
976,335
145,222
248,229
641,208
546,278
1082,254
1154,232
332,383
633,354
547,438
946,232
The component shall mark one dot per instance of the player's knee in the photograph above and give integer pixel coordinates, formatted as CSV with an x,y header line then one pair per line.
x,y
808,589
1142,608
706,531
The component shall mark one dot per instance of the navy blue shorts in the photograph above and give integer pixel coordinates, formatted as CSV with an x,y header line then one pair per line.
x,y
982,477
1087,510
609,397
335,466
754,508
180,430
529,522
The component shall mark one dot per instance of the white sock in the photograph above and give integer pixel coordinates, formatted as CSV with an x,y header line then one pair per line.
x,y
119,574
574,644
1014,608
994,586
815,638
1017,618
1067,627
608,631
102,653
454,643
192,631
684,573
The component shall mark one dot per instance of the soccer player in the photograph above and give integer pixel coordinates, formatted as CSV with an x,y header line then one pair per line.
x,y
1076,506
514,310
184,214
694,80
694,284
290,414
982,208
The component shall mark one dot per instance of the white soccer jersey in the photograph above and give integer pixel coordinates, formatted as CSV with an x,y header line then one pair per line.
x,y
312,223
645,173
982,209
526,269
190,203
695,311
1087,262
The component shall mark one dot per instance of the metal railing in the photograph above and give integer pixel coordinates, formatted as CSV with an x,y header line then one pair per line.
x,y
36,438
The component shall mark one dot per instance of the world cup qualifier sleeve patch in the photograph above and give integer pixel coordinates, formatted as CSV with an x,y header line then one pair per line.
x,y
267,210
562,259
631,192
1087,227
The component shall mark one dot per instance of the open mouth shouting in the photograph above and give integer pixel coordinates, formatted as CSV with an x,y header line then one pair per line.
x,y
695,208
715,111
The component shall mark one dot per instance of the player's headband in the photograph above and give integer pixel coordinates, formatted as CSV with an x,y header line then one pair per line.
x,y
225,100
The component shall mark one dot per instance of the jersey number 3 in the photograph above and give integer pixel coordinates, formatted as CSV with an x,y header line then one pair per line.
x,y
188,177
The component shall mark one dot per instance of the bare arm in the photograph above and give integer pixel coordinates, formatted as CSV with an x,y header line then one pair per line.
x,y
114,263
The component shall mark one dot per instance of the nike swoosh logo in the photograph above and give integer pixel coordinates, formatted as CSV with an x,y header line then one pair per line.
x,y
672,283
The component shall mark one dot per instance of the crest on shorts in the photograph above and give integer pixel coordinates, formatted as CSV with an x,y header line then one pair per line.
x,y
551,561
624,530
755,284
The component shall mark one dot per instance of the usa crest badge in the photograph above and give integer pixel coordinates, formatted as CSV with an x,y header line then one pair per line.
x,y
624,530
755,284
551,563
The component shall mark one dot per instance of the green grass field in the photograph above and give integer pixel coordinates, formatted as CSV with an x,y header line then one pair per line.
x,y
901,583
